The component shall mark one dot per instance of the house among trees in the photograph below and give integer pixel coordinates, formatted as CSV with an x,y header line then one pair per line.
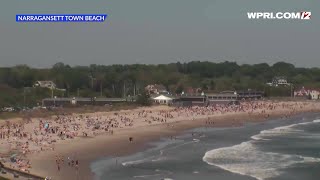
x,y
45,84
156,89
279,81
303,92
307,93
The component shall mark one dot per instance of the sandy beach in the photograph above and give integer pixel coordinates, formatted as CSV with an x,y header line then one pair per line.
x,y
62,147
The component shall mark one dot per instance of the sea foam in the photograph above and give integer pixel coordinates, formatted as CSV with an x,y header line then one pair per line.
x,y
160,157
316,121
247,159
283,130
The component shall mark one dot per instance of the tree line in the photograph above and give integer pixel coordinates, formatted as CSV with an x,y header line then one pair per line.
x,y
124,80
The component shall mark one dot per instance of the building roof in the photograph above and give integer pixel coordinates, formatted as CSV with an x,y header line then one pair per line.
x,y
45,82
280,77
190,97
222,100
227,92
222,95
304,91
250,91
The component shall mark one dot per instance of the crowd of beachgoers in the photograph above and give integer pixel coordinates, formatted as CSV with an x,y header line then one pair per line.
x,y
41,134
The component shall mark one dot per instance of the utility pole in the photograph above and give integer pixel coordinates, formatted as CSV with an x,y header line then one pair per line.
x,y
92,78
124,89
101,88
134,89
24,97
91,83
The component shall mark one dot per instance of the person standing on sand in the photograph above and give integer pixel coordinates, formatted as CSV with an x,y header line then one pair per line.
x,y
57,163
77,165
69,161
62,159
77,168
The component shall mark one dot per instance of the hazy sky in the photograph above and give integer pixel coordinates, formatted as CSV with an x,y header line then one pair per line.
x,y
159,31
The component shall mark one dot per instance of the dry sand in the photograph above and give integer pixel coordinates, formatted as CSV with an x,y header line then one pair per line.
x,y
88,149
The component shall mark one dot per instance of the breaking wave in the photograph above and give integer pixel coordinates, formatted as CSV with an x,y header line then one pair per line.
x,y
283,130
247,159
159,157
160,173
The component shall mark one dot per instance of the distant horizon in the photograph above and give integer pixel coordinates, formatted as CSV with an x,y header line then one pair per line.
x,y
182,62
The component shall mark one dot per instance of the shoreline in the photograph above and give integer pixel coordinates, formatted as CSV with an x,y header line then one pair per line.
x,y
89,149
92,149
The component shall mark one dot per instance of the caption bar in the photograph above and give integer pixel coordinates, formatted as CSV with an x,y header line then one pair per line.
x,y
61,18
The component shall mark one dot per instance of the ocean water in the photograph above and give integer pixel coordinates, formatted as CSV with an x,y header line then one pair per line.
x,y
286,149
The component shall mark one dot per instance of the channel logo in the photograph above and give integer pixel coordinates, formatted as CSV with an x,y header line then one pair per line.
x,y
304,15
61,17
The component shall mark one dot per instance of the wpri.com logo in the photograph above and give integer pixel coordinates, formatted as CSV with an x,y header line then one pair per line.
x,y
304,15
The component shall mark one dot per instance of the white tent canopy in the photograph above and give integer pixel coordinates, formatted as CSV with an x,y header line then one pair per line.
x,y
162,97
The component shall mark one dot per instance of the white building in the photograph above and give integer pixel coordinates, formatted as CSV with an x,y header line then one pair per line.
x,y
163,99
279,81
314,94
307,93
45,84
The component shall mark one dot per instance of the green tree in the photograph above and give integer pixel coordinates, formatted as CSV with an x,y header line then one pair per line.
x,y
212,85
118,80
179,89
143,99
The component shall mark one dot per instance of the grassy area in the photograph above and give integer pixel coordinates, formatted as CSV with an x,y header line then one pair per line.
x,y
68,110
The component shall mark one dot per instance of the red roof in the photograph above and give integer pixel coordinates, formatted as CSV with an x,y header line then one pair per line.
x,y
305,91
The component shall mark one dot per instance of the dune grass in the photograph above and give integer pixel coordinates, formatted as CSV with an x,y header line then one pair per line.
x,y
84,109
